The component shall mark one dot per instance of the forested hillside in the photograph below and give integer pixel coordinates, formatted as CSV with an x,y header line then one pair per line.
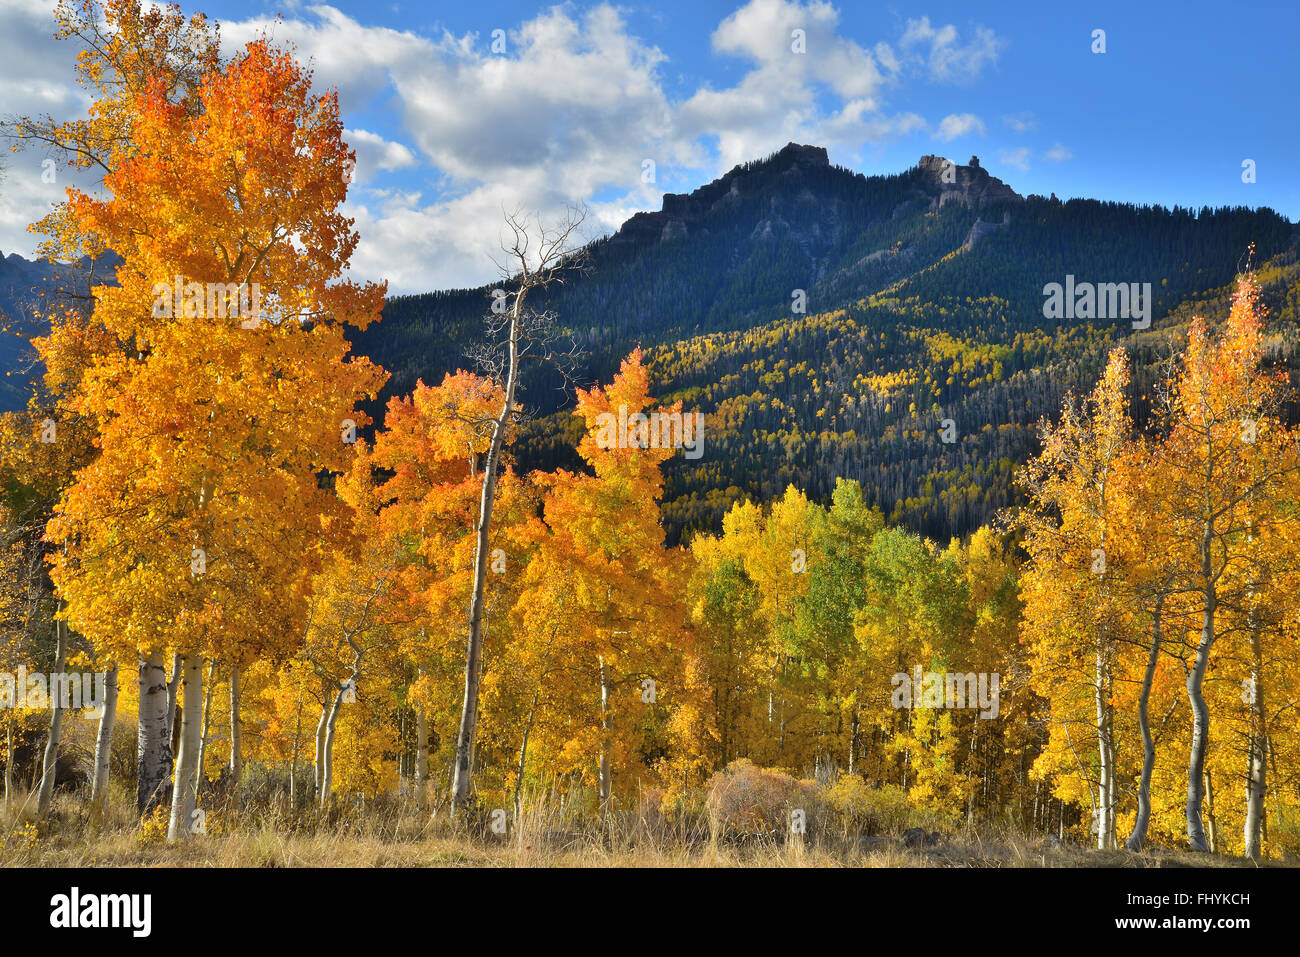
x,y
924,302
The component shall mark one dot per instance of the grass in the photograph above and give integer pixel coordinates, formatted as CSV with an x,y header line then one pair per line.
x,y
397,833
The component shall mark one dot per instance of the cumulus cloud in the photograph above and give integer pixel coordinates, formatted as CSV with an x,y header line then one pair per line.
x,y
777,100
36,78
945,56
376,153
959,124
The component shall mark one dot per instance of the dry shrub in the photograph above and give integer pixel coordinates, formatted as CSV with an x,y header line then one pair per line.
x,y
744,800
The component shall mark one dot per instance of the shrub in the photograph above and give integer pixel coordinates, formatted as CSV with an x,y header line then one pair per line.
x,y
861,809
745,800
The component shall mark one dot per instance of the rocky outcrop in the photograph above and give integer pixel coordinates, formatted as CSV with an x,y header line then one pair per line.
x,y
980,229
944,181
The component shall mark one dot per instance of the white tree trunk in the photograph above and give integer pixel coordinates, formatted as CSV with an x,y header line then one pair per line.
x,y
191,720
173,686
1200,711
293,764
153,737
421,753
50,766
236,745
1138,838
1257,753
605,783
104,742
208,687
327,772
319,763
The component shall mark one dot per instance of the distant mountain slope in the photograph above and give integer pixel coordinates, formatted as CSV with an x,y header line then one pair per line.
x,y
924,302
27,290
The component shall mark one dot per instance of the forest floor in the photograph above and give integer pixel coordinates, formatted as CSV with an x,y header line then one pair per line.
x,y
412,839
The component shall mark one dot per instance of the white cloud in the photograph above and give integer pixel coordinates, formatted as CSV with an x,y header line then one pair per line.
x,y
354,59
777,100
1020,122
376,153
947,58
763,31
959,124
1058,154
36,78
24,198
1019,158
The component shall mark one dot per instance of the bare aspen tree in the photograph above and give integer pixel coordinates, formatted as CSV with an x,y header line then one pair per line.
x,y
537,257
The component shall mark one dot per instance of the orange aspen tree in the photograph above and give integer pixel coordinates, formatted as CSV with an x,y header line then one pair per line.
x,y
124,48
234,383
600,607
429,457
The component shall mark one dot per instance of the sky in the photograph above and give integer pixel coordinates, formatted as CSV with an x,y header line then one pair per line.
x,y
460,110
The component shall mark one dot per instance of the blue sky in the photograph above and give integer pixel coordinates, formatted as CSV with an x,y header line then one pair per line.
x,y
448,130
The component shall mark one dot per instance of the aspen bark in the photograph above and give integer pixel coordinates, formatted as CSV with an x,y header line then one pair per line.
x,y
327,745
208,687
236,746
605,783
1138,838
182,816
50,765
421,753
173,685
320,748
104,742
153,737
1257,751
293,763
1200,711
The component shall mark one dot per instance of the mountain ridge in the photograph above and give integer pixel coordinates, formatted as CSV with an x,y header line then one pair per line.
x,y
825,321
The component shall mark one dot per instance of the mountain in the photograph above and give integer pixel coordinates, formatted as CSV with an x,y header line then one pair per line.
x,y
28,290
924,301
827,323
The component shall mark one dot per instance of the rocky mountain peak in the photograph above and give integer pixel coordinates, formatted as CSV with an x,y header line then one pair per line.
x,y
972,185
682,212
